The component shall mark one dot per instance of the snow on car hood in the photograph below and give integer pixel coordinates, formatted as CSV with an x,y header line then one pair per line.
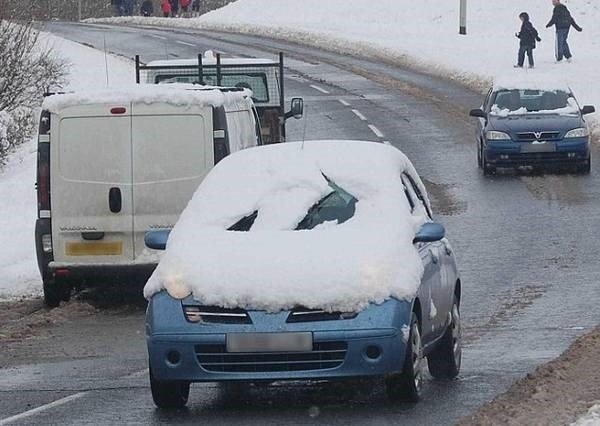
x,y
341,267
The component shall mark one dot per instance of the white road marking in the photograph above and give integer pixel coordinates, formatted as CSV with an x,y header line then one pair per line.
x,y
41,408
185,43
157,36
375,130
359,114
343,102
320,89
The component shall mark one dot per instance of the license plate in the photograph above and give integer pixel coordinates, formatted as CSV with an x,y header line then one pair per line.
x,y
538,147
269,342
105,248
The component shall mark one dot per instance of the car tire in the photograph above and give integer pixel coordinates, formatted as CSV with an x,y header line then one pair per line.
x,y
55,292
585,168
479,156
406,386
169,394
444,361
487,170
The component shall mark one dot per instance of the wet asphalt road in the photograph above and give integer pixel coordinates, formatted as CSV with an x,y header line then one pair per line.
x,y
525,246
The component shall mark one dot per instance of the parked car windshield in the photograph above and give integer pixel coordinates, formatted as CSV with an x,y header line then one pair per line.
x,y
338,206
523,101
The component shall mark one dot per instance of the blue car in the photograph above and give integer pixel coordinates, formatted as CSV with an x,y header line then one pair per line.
x,y
190,341
521,125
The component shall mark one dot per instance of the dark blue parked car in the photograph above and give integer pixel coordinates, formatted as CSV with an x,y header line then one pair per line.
x,y
189,341
521,126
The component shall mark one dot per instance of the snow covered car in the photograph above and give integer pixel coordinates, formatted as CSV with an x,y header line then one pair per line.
x,y
304,261
532,123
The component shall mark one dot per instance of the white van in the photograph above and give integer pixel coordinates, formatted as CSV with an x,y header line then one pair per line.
x,y
113,164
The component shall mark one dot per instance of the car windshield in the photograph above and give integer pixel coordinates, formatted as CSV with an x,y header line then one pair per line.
x,y
336,207
520,101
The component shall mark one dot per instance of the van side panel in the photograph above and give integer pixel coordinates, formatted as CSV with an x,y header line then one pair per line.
x,y
242,128
90,172
172,151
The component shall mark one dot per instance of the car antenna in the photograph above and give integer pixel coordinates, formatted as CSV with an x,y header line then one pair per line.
x,y
304,130
105,59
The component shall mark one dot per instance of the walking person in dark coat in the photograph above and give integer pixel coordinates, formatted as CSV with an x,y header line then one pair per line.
x,y
563,21
528,36
147,8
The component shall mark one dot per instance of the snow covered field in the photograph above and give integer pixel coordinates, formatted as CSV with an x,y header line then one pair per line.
x,y
422,34
19,274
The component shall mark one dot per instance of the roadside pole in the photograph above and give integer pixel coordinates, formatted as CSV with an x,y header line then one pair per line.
x,y
79,10
463,17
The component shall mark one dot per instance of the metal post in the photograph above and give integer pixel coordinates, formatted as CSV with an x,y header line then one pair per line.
x,y
200,70
281,98
137,69
463,17
79,10
218,69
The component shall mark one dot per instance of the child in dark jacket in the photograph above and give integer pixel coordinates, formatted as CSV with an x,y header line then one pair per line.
x,y
528,36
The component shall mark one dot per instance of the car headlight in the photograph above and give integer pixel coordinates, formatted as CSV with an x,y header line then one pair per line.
x,y
581,132
494,135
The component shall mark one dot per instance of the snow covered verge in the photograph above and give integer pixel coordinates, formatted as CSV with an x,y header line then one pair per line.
x,y
19,274
592,418
421,34
272,189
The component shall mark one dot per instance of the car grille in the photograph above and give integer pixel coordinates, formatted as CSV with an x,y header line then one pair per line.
x,y
325,355
542,136
308,315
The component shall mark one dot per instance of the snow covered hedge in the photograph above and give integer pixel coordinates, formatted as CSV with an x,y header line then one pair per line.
x,y
27,70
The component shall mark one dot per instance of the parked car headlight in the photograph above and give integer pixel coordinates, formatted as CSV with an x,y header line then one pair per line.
x,y
494,135
581,132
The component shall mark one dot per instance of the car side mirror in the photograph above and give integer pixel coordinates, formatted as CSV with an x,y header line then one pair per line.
x,y
588,109
479,113
157,240
430,232
297,109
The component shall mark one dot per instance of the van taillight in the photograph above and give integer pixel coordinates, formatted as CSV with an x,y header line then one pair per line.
x,y
43,165
118,110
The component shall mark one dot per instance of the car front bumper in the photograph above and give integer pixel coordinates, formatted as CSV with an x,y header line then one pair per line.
x,y
335,355
510,154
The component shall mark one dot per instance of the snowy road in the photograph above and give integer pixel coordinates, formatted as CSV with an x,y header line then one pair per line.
x,y
528,265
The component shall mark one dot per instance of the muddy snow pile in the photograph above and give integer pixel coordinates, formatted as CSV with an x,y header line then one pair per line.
x,y
422,34
274,263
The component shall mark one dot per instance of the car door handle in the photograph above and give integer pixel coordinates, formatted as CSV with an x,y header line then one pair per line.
x,y
115,202
434,256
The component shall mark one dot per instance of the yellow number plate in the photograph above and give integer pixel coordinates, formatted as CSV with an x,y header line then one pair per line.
x,y
112,248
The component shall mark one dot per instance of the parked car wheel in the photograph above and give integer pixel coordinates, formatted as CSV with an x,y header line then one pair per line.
x,y
169,394
407,385
479,157
55,292
585,168
487,169
444,361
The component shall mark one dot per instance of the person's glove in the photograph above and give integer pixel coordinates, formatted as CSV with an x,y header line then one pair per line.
x,y
539,40
517,35
580,29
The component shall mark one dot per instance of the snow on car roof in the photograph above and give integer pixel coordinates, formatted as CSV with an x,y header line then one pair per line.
x,y
532,81
342,267
174,94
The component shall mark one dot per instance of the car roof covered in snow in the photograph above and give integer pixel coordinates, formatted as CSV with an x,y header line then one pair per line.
x,y
366,259
521,81
173,94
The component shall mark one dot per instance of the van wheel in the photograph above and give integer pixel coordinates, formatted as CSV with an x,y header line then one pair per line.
x,y
407,385
169,394
56,292
444,361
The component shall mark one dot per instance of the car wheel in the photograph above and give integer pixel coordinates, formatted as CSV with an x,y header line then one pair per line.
x,y
55,292
585,168
407,385
169,394
479,156
487,169
444,361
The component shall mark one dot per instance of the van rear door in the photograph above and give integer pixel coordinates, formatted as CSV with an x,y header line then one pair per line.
x,y
172,151
91,191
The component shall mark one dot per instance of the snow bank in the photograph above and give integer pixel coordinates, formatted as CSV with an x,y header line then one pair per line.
x,y
19,274
343,267
421,34
172,94
592,418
